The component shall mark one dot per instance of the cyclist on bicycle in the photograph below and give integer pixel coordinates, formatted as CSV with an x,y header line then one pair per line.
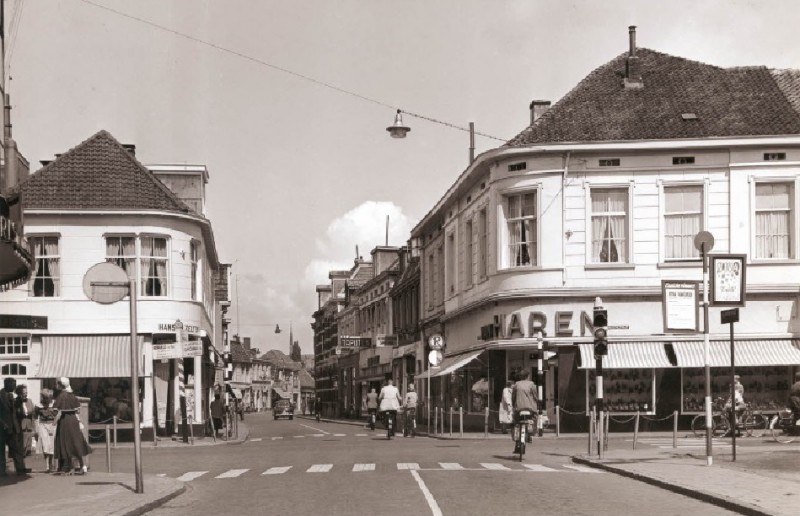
x,y
410,406
794,397
523,397
390,403
372,407
738,401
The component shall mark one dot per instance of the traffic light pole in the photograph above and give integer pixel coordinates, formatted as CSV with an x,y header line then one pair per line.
x,y
599,401
706,357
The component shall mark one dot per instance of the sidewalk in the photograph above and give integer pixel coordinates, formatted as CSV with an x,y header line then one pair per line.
x,y
733,485
98,492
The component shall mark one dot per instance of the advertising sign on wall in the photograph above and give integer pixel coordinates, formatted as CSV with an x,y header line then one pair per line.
x,y
728,279
681,306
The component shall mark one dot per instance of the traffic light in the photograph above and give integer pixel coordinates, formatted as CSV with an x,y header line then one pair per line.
x,y
228,367
600,324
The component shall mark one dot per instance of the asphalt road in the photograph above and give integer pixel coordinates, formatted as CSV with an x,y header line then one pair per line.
x,y
303,467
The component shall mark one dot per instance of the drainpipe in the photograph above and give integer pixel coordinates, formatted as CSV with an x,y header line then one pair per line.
x,y
564,220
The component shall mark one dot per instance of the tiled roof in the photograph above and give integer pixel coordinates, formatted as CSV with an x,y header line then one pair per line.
x,y
306,380
98,174
728,102
279,359
239,354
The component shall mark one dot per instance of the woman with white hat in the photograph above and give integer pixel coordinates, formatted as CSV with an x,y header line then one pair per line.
x,y
70,445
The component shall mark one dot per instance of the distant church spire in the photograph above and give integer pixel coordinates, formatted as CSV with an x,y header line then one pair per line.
x,y
291,338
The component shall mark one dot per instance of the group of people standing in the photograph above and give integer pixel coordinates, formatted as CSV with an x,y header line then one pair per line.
x,y
55,422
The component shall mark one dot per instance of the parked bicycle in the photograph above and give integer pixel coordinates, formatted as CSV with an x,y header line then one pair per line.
x,y
749,422
783,427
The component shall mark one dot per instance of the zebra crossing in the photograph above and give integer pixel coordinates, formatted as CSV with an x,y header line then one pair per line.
x,y
190,476
685,443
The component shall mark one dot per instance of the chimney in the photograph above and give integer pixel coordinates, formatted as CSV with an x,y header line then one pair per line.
x,y
538,108
11,174
246,343
130,147
633,75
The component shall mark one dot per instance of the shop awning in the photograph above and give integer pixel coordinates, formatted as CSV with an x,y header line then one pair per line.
x,y
450,364
628,355
756,352
87,356
280,392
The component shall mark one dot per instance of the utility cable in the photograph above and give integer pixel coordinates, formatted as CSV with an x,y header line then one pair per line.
x,y
280,68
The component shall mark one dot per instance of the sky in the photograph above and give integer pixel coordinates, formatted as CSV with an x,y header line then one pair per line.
x,y
287,104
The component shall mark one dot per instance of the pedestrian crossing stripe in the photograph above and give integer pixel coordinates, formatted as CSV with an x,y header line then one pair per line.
x,y
361,435
497,467
581,469
277,470
232,473
256,439
319,468
451,465
539,468
340,435
191,475
407,465
277,438
363,467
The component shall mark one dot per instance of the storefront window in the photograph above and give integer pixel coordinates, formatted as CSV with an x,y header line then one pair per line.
x,y
624,390
765,388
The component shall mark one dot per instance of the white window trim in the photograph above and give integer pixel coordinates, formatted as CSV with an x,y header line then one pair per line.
x,y
484,208
468,243
662,230
588,187
30,238
450,262
168,259
501,226
6,357
793,232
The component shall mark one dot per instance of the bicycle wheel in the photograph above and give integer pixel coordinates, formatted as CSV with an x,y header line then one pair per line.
x,y
721,426
755,425
522,439
781,432
699,425
389,426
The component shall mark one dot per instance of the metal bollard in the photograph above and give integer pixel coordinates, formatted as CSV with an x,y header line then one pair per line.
x,y
605,431
115,431
435,420
451,421
591,431
191,430
461,421
675,429
636,430
558,421
155,437
486,423
108,448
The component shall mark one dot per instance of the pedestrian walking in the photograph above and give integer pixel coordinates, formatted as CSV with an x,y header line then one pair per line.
x,y
10,430
45,417
217,414
506,413
70,445
25,409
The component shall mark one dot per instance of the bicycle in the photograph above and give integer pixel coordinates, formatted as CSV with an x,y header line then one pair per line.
x,y
754,424
390,416
371,418
524,418
410,426
783,427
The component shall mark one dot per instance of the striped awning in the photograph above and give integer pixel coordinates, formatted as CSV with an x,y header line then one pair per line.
x,y
755,352
281,393
628,355
87,356
450,365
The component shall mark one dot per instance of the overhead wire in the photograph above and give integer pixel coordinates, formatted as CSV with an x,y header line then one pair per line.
x,y
16,20
282,69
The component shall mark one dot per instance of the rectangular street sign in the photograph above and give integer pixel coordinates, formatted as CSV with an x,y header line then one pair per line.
x,y
354,342
168,350
729,316
23,322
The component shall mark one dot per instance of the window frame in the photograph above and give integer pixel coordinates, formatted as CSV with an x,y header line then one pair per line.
x,y
793,183
56,280
663,186
628,188
138,277
504,222
469,253
22,369
451,263
166,259
483,243
4,345
194,262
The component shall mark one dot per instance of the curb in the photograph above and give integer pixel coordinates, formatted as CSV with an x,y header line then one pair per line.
x,y
154,504
721,501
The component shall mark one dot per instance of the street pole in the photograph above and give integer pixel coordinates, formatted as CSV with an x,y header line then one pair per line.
x,y
539,387
733,399
137,441
706,357
599,401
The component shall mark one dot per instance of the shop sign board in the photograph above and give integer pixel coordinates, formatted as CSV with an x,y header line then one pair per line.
x,y
680,306
354,342
385,340
169,350
728,279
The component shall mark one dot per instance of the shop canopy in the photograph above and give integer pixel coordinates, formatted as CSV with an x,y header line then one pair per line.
x,y
280,392
755,352
628,355
87,356
450,365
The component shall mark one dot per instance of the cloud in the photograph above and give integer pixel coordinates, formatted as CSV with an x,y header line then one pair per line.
x,y
363,226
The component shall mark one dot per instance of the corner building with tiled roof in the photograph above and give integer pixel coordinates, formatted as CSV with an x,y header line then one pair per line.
x,y
97,203
602,196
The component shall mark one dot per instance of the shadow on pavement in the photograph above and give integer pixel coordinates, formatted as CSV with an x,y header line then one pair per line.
x,y
121,484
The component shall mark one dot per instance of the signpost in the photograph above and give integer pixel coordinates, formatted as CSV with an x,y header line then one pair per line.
x,y
729,317
704,242
435,357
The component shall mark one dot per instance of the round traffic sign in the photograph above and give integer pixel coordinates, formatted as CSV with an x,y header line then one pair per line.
x,y
106,283
436,341
435,357
704,241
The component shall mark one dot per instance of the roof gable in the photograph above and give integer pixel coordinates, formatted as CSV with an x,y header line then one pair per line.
x,y
726,101
98,174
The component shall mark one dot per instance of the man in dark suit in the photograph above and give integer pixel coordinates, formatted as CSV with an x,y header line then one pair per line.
x,y
10,429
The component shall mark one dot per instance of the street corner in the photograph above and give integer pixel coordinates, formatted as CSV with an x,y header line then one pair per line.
x,y
157,491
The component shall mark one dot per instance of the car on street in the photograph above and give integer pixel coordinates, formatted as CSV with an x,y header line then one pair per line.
x,y
283,408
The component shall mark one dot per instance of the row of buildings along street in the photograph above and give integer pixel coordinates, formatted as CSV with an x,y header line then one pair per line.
x,y
97,203
601,195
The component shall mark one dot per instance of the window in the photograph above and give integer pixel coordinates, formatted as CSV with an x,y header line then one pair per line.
x,y
517,166
431,279
683,160
468,254
154,266
609,225
482,241
14,370
193,256
683,219
521,217
11,345
613,162
121,250
46,278
774,156
451,263
774,220
440,274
